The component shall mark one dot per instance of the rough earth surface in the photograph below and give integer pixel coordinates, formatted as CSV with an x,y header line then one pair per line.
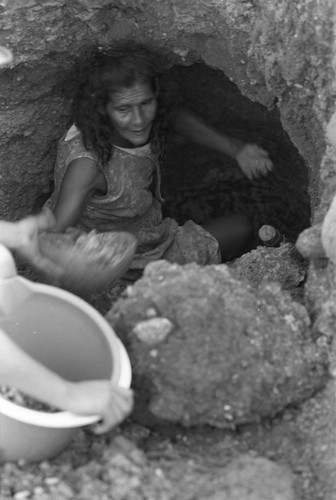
x,y
281,56
283,264
148,459
142,462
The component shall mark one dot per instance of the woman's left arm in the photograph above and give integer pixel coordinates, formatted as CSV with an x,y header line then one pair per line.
x,y
251,158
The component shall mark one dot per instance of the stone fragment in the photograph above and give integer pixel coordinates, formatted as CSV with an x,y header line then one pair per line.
x,y
22,495
281,264
309,243
331,130
328,232
153,330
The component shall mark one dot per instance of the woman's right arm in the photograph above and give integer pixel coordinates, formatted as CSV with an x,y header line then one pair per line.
x,y
81,180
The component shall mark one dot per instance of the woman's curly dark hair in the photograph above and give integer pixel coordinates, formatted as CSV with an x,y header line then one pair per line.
x,y
103,73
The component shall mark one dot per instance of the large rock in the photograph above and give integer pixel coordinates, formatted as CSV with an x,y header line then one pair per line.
x,y
207,348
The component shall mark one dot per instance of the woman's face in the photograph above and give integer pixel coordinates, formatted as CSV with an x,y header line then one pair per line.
x,y
132,111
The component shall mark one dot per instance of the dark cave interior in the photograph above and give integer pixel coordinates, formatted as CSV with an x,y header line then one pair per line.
x,y
200,184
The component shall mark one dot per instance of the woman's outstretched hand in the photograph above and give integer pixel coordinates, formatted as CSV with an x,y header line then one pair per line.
x,y
253,161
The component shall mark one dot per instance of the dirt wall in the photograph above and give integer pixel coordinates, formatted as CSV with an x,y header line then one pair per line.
x,y
278,54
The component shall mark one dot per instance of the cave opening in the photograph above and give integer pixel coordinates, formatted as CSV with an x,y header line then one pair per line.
x,y
199,184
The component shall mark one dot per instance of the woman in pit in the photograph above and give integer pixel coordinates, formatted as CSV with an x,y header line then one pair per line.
x,y
107,173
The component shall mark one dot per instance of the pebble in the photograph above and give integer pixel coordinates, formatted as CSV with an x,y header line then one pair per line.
x,y
21,495
38,490
51,481
45,465
159,473
151,312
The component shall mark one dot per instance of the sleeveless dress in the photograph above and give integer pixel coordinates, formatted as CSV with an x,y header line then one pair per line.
x,y
133,203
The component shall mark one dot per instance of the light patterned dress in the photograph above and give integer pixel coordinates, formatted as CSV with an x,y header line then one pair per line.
x,y
133,203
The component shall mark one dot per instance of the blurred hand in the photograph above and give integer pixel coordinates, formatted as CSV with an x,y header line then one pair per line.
x,y
111,402
28,248
74,232
253,161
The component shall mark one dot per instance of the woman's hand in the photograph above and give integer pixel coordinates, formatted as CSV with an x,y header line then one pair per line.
x,y
111,402
253,161
27,245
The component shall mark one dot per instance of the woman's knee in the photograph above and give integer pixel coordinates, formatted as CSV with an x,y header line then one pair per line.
x,y
233,233
238,225
243,226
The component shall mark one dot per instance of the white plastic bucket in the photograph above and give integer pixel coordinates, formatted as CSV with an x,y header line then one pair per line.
x,y
67,335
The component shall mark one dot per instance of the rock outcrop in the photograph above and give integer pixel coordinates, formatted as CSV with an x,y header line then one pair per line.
x,y
224,353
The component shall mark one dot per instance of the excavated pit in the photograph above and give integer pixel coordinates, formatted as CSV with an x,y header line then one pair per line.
x,y
199,184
